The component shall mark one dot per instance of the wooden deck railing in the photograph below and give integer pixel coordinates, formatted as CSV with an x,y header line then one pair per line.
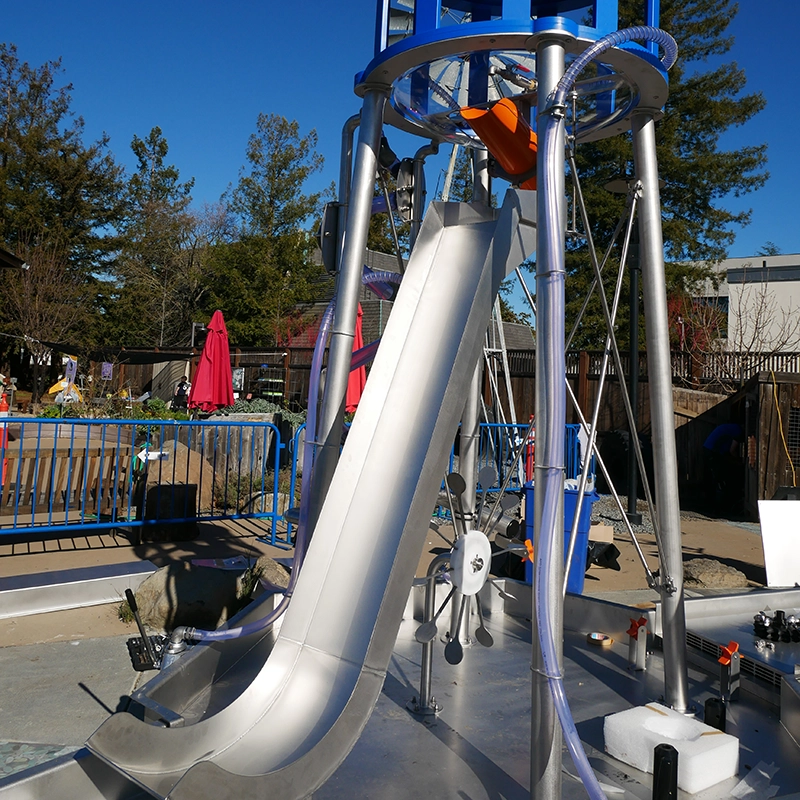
x,y
688,369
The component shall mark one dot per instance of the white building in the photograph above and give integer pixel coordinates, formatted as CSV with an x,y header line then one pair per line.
x,y
761,295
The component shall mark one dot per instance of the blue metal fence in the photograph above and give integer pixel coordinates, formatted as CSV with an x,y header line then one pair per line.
x,y
498,445
59,476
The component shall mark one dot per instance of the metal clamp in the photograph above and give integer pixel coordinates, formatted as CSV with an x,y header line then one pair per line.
x,y
637,644
730,662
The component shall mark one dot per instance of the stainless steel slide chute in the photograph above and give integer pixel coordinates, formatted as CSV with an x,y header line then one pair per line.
x,y
289,729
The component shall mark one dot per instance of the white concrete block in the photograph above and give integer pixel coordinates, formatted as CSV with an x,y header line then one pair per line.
x,y
706,756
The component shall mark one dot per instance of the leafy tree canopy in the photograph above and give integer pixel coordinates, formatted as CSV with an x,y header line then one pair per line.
x,y
267,199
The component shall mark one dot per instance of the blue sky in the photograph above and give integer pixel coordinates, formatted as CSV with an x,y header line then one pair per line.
x,y
202,71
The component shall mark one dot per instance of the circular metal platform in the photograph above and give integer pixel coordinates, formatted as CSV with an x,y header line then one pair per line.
x,y
431,77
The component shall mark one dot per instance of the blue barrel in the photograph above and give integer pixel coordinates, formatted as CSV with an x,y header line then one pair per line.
x,y
578,568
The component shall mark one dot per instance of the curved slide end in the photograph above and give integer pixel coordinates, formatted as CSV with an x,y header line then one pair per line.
x,y
300,716
293,781
230,775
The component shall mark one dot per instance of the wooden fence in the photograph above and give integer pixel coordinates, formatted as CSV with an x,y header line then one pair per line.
x,y
282,375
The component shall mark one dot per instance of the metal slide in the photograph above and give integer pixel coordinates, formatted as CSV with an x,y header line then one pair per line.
x,y
288,730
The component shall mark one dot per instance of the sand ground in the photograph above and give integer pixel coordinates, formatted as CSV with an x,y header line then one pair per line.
x,y
735,544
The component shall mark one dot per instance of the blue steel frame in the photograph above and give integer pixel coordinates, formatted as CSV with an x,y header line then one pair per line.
x,y
428,15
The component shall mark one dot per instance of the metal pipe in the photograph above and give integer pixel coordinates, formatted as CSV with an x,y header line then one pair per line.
x,y
469,440
482,183
427,703
546,736
401,267
345,175
651,254
348,286
419,191
573,537
633,379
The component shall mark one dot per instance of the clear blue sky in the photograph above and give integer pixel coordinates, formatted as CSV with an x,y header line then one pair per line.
x,y
202,71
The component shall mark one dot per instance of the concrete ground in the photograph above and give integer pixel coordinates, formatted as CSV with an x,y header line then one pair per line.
x,y
63,673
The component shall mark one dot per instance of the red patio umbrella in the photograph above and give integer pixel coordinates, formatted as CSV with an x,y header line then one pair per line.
x,y
212,387
358,376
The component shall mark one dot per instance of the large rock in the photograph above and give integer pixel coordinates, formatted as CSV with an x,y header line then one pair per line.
x,y
271,574
708,573
182,594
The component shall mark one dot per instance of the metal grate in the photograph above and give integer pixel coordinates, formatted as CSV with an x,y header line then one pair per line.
x,y
793,438
754,669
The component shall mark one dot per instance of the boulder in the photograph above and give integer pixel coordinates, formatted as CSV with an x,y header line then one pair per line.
x,y
271,574
182,594
708,573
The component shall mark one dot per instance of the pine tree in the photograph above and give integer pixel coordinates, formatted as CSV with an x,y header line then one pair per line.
x,y
60,201
52,185
697,173
266,277
157,286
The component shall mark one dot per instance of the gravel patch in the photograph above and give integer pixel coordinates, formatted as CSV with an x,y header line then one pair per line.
x,y
606,510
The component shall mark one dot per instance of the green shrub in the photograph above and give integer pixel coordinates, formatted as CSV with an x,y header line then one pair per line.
x,y
260,406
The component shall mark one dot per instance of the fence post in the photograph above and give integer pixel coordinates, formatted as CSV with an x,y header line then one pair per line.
x,y
583,380
287,358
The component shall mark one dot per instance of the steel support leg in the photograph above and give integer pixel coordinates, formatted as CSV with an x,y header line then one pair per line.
x,y
651,250
546,738
349,282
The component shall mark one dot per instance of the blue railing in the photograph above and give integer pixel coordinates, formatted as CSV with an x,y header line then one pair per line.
x,y
498,445
62,476
93,475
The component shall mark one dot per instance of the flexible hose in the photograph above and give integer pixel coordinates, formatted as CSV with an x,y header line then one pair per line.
x,y
379,278
553,273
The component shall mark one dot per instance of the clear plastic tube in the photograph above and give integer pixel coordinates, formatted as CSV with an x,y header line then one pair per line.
x,y
377,277
553,273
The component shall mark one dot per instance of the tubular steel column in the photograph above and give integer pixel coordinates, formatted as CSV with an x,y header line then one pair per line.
x,y
651,259
348,284
482,185
345,175
418,192
468,442
546,738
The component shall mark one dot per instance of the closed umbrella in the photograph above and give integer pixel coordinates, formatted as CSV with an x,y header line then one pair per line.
x,y
358,376
212,387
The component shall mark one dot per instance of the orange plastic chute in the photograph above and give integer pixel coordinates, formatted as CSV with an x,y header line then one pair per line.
x,y
507,135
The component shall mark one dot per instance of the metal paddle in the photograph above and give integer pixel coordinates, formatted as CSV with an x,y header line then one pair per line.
x,y
453,651
426,632
505,595
456,486
481,634
486,477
